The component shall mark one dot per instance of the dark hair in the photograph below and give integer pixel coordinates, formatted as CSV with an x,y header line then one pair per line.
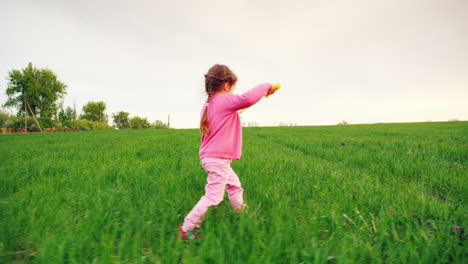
x,y
215,79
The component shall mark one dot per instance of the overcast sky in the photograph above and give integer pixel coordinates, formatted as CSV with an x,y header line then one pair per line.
x,y
363,61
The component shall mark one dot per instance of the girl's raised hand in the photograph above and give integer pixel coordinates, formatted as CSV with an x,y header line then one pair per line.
x,y
273,89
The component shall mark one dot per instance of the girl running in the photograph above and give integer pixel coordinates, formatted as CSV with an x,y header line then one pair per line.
x,y
221,142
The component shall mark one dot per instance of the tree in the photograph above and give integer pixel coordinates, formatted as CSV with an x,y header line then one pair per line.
x,y
121,119
138,123
67,114
94,111
158,124
39,87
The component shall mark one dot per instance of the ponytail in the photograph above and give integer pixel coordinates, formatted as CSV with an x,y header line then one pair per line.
x,y
204,122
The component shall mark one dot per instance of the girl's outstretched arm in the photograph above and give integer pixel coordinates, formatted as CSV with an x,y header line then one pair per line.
x,y
237,102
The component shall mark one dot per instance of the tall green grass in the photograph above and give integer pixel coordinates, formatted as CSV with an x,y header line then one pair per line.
x,y
391,193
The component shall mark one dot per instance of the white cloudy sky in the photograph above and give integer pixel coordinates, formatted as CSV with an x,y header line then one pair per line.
x,y
363,61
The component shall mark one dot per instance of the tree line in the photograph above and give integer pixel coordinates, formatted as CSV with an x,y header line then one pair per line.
x,y
37,96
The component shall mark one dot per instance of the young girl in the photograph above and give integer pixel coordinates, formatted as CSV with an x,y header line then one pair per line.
x,y
220,143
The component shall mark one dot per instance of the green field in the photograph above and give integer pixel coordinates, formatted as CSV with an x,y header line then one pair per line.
x,y
392,193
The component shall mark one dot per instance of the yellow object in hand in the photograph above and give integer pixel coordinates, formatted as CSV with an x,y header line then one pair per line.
x,y
273,89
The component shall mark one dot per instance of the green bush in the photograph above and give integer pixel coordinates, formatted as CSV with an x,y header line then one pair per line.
x,y
59,126
4,116
139,123
9,123
158,124
18,124
87,125
46,122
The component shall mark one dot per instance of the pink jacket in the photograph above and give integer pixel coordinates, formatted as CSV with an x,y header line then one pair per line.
x,y
225,138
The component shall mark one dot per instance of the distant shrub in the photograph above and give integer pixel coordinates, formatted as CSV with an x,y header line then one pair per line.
x,y
45,122
4,116
252,124
18,124
139,123
87,125
283,124
59,127
344,122
158,124
8,124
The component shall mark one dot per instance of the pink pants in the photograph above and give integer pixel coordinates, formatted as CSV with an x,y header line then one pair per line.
x,y
220,177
